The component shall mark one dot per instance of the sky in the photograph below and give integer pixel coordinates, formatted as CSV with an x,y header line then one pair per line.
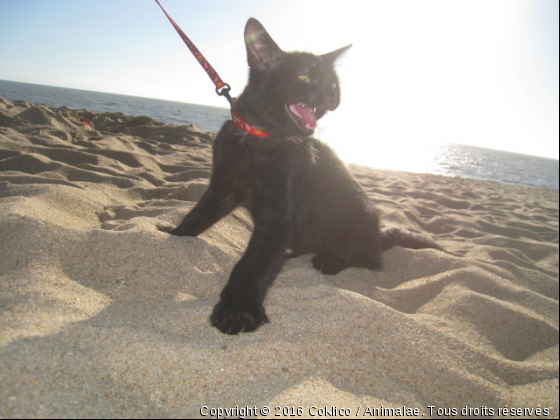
x,y
419,74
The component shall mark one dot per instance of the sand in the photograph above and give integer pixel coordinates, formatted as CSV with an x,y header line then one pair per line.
x,y
103,315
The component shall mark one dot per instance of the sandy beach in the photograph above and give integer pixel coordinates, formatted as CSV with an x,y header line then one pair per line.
x,y
104,315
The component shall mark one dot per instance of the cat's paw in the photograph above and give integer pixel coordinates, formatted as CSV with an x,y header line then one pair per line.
x,y
328,265
291,254
165,228
231,317
177,231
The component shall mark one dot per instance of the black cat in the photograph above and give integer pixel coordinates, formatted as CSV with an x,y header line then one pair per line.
x,y
300,195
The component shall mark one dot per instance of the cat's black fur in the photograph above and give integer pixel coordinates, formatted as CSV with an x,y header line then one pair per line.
x,y
300,195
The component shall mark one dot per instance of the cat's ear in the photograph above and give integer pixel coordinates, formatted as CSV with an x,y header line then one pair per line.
x,y
335,55
262,51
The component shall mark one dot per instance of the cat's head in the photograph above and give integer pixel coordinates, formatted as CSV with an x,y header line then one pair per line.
x,y
290,90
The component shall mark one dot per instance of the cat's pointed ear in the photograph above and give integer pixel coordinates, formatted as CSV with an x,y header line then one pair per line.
x,y
262,51
335,55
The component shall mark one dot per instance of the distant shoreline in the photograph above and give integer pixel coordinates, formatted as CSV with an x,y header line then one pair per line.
x,y
450,160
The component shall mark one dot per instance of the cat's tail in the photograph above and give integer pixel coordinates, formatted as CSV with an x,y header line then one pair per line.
x,y
391,237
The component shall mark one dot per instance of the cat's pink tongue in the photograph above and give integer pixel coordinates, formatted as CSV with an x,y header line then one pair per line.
x,y
306,113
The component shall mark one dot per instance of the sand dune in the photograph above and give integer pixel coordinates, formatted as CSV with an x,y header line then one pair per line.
x,y
103,315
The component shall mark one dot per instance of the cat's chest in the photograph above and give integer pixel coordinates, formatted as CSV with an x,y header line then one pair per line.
x,y
260,162
253,167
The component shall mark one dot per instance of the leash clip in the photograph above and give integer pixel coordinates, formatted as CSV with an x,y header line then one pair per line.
x,y
224,91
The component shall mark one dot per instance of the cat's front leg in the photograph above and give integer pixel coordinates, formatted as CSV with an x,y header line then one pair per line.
x,y
213,205
240,308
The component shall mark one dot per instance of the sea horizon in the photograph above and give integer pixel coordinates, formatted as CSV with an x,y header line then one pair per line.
x,y
450,159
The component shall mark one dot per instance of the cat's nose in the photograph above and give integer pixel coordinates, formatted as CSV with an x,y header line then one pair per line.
x,y
330,99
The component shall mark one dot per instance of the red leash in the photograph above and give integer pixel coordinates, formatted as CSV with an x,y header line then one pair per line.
x,y
222,88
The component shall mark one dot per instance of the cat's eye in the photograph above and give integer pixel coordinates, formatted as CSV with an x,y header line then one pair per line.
x,y
304,79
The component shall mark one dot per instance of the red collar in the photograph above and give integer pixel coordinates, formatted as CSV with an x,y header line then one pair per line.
x,y
244,125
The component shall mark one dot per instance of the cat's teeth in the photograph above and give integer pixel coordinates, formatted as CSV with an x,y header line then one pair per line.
x,y
305,106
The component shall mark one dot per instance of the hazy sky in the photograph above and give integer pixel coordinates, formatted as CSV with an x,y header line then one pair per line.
x,y
420,73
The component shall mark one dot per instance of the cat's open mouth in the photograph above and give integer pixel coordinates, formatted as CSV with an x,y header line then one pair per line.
x,y
304,116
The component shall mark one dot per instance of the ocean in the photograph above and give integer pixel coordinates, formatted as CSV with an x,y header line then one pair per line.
x,y
449,159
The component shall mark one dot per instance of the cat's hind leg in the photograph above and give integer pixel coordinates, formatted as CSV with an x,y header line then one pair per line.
x,y
330,265
356,248
327,264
